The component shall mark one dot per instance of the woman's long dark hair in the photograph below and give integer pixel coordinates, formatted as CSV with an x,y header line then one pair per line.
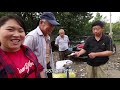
x,y
19,20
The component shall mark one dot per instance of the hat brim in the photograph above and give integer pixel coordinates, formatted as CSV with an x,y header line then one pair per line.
x,y
53,22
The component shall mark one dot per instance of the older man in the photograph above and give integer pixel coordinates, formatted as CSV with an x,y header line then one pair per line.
x,y
39,41
62,41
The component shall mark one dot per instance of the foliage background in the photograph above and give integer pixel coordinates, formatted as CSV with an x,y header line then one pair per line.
x,y
76,24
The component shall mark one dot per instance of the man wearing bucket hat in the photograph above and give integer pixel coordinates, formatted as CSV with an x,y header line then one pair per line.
x,y
39,41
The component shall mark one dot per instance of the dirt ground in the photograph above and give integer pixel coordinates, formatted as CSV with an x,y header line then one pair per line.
x,y
113,65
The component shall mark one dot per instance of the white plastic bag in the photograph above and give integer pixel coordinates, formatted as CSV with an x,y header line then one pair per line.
x,y
60,64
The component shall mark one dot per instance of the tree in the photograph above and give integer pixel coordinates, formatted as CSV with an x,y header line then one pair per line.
x,y
97,17
30,18
116,30
74,23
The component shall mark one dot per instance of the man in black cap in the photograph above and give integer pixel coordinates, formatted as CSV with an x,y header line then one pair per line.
x,y
39,41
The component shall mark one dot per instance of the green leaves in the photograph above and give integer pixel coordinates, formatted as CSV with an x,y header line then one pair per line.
x,y
74,23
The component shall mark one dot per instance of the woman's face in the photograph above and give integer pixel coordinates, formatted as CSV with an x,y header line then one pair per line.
x,y
11,36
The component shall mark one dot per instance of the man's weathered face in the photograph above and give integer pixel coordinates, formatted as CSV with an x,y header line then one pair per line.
x,y
46,27
62,33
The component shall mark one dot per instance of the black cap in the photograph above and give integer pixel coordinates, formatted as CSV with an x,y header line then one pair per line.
x,y
49,16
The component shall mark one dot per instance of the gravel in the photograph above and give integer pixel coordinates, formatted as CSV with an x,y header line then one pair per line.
x,y
113,65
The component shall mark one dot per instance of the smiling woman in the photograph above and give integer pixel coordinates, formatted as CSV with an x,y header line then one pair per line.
x,y
17,60
12,36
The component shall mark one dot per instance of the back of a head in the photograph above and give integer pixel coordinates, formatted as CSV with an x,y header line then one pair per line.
x,y
98,23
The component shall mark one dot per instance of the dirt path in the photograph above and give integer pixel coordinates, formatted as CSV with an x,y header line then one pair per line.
x,y
113,65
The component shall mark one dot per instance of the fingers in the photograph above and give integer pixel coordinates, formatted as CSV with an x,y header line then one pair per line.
x,y
76,54
91,55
